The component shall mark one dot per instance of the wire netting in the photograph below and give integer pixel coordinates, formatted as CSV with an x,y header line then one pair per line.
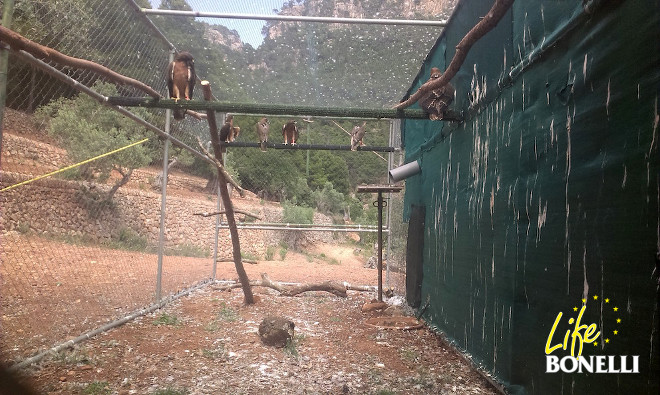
x,y
80,247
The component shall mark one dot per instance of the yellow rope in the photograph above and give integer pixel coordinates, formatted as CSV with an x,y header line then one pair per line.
x,y
72,166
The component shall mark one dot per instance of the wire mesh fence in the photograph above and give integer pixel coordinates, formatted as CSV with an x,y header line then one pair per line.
x,y
80,248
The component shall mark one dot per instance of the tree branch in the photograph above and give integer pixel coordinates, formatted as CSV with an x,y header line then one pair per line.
x,y
205,214
488,23
223,177
220,167
18,42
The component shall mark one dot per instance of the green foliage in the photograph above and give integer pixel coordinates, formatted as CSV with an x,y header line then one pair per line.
x,y
130,240
166,319
282,251
297,214
227,314
86,129
97,388
328,200
188,250
270,253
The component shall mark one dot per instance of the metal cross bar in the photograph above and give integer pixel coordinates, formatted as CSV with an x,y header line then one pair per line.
x,y
366,148
295,18
272,109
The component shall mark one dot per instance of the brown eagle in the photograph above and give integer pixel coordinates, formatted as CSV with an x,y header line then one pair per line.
x,y
181,80
290,132
357,134
229,132
435,102
263,127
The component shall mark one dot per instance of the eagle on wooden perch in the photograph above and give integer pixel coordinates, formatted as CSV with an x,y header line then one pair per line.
x,y
357,134
290,132
229,132
181,80
436,101
263,127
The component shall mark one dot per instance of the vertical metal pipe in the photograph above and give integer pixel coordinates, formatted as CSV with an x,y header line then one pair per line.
x,y
218,199
390,158
7,13
163,201
380,246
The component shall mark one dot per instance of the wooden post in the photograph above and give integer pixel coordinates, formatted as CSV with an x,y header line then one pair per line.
x,y
226,199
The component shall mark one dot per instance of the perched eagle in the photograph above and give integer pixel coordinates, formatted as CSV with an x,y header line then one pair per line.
x,y
290,132
181,79
357,134
435,102
229,132
263,126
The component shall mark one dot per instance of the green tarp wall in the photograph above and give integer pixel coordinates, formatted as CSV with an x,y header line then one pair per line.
x,y
547,193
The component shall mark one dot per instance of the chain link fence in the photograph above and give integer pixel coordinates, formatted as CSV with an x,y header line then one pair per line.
x,y
80,248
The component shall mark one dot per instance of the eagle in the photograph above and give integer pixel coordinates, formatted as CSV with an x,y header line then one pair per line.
x,y
290,132
263,126
435,102
181,80
357,134
229,132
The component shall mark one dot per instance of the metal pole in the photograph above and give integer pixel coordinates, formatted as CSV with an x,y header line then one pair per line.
x,y
380,246
390,158
295,18
163,198
217,232
7,12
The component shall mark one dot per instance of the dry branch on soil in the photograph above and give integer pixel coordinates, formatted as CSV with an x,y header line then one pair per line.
x,y
332,287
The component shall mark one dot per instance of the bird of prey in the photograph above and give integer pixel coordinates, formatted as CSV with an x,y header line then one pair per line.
x,y
435,102
290,132
263,126
229,132
357,134
181,79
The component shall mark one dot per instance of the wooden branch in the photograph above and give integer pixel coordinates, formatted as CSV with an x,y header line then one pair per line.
x,y
18,42
223,178
326,286
224,212
334,288
197,115
488,23
220,167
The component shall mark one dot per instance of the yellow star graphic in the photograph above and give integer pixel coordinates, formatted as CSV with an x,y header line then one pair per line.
x,y
607,300
616,332
574,308
616,309
584,301
595,343
618,320
607,340
595,297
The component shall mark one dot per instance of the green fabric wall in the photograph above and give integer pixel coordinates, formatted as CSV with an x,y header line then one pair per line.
x,y
548,192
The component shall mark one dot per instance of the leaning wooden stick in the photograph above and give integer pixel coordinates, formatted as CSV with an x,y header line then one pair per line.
x,y
223,178
205,214
485,25
220,167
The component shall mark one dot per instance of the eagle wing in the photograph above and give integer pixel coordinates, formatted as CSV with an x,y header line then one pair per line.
x,y
192,78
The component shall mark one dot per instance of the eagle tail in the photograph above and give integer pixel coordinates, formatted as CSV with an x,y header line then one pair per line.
x,y
263,146
178,113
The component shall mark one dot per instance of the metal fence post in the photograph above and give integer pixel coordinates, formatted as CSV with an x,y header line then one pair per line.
x,y
163,205
7,12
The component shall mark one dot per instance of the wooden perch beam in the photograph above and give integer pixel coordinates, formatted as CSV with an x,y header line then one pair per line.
x,y
280,109
18,42
488,23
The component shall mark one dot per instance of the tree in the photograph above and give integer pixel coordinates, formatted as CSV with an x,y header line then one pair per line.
x,y
87,129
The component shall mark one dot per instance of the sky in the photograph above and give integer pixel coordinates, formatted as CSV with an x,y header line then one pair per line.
x,y
249,30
